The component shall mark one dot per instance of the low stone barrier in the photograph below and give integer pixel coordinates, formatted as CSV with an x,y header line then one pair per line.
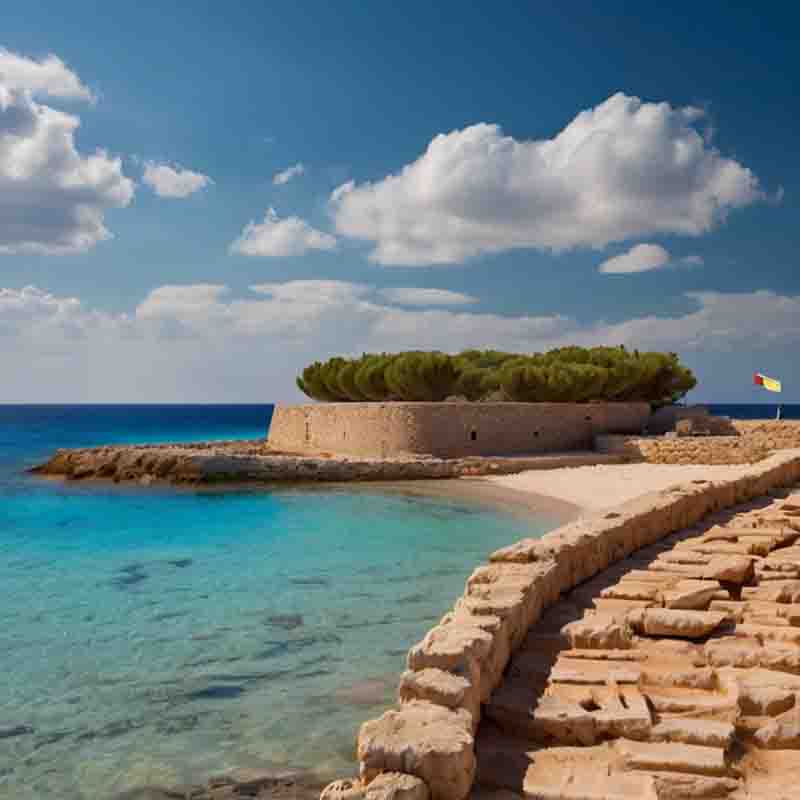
x,y
455,668
710,450
730,442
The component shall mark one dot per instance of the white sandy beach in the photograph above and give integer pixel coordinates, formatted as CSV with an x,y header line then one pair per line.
x,y
594,488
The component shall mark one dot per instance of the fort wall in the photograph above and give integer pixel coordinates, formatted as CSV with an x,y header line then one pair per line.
x,y
449,430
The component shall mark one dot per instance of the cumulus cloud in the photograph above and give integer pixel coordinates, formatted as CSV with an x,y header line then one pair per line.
x,y
641,258
427,297
625,169
48,77
173,181
203,342
283,177
52,197
274,236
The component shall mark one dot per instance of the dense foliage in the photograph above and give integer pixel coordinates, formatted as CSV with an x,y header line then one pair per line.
x,y
568,374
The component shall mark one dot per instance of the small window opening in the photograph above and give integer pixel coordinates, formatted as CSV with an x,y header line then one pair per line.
x,y
308,431
473,436
588,419
536,434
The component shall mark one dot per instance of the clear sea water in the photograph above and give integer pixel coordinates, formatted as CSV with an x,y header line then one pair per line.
x,y
154,636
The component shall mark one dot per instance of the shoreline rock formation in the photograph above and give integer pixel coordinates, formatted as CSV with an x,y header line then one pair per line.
x,y
254,462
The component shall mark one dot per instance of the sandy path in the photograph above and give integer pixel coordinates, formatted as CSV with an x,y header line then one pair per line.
x,y
606,485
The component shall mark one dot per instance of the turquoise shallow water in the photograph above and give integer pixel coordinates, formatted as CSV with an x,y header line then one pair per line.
x,y
158,636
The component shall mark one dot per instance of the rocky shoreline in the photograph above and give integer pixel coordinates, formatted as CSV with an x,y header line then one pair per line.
x,y
255,461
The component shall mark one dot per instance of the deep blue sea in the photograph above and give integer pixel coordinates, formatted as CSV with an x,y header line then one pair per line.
x,y
155,636
754,410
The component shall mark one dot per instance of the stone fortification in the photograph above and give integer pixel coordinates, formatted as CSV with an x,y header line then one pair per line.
x,y
729,442
449,430
455,671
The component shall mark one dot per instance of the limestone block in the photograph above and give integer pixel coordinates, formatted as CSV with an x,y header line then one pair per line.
x,y
786,592
766,701
600,631
671,757
631,590
397,786
674,676
441,688
618,609
422,739
767,633
522,552
498,629
624,713
733,652
674,622
706,732
455,647
583,670
690,594
688,557
682,786
554,720
346,789
780,734
731,569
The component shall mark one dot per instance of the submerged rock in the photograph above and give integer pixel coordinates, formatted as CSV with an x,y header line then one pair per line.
x,y
286,621
7,731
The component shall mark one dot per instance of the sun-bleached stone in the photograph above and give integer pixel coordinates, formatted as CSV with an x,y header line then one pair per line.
x,y
672,757
600,631
706,732
441,688
422,739
674,622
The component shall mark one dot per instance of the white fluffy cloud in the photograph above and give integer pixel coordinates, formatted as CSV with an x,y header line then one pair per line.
x,y
641,258
173,181
52,197
622,170
283,177
48,77
203,343
274,236
427,297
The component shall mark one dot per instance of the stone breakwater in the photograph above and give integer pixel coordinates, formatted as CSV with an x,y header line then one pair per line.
x,y
613,705
256,462
730,442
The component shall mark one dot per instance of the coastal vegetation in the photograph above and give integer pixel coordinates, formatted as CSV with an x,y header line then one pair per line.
x,y
563,375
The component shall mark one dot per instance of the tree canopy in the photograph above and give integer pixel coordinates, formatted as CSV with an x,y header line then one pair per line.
x,y
565,375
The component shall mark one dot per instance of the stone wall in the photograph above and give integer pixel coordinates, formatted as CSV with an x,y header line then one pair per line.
x,y
450,430
751,441
455,668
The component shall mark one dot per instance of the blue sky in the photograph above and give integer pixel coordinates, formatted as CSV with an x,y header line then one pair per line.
x,y
150,297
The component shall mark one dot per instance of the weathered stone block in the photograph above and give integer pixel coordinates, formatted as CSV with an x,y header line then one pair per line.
x,y
422,739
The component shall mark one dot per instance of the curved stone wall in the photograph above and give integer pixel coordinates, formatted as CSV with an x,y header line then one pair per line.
x,y
449,430
455,668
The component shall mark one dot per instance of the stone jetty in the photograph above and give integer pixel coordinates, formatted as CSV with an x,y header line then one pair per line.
x,y
257,461
649,652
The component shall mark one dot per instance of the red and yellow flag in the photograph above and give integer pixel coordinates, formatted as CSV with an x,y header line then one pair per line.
x,y
770,384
